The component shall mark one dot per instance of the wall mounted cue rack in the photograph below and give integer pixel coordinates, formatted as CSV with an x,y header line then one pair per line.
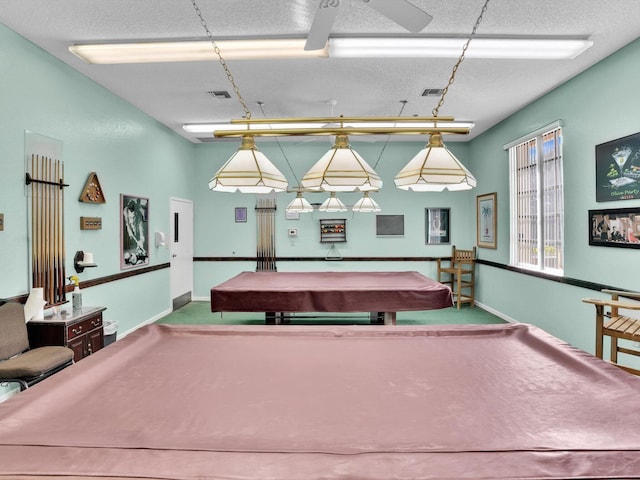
x,y
29,180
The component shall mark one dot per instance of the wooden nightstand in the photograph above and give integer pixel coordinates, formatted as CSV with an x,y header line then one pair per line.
x,y
80,330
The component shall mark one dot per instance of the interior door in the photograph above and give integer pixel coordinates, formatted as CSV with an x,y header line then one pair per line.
x,y
181,241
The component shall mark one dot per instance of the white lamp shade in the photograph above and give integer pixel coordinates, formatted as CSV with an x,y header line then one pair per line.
x,y
366,205
341,169
332,204
299,204
248,171
433,169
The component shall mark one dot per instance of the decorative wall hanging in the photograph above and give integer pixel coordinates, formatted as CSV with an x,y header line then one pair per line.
x,y
92,191
618,169
618,227
90,223
486,220
241,214
333,230
436,221
134,231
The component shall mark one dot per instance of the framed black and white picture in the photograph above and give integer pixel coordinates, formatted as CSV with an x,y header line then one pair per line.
x,y
436,221
134,231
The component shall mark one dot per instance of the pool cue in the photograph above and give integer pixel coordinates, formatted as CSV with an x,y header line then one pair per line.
x,y
34,200
260,236
46,164
63,251
40,226
272,239
56,233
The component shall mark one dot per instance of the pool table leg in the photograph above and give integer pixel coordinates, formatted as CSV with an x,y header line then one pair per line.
x,y
389,318
276,318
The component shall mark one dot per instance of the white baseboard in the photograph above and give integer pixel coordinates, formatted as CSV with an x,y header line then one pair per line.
x,y
496,313
149,321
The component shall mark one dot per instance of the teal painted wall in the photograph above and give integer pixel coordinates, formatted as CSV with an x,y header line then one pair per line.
x,y
130,152
134,154
600,105
217,234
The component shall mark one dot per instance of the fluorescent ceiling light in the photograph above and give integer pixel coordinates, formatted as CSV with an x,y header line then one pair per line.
x,y
414,47
193,51
211,127
338,47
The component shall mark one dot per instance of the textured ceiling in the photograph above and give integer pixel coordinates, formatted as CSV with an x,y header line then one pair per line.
x,y
485,91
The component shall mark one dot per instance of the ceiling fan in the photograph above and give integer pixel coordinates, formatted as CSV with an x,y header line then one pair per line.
x,y
402,12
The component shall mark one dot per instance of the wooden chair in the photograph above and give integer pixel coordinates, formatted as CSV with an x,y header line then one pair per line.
x,y
18,362
617,325
459,274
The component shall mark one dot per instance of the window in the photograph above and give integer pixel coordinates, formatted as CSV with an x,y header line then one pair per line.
x,y
537,207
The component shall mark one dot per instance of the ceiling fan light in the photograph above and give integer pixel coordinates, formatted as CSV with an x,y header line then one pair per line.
x,y
341,169
248,171
433,169
300,205
332,204
366,205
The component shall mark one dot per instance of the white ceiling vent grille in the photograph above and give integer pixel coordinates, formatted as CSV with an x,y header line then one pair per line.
x,y
219,94
432,92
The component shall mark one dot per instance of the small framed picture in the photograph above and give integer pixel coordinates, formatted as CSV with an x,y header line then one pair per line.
x,y
436,223
241,214
619,227
486,220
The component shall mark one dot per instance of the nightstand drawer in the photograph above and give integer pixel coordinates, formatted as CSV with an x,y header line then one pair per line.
x,y
84,326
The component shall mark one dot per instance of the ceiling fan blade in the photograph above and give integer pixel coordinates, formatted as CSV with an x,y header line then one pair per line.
x,y
403,13
321,26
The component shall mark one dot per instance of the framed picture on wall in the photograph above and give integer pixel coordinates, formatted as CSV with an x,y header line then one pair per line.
x,y
618,169
241,214
134,231
486,220
618,227
436,222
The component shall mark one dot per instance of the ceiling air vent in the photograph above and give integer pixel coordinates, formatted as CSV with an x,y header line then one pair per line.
x,y
432,92
219,94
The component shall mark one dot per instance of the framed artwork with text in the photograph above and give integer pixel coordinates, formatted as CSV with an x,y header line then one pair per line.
x,y
618,169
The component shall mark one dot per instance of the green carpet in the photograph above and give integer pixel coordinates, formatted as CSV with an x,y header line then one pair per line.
x,y
199,313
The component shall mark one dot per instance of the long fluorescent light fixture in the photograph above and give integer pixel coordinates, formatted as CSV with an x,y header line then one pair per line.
x,y
338,47
209,128
413,47
194,51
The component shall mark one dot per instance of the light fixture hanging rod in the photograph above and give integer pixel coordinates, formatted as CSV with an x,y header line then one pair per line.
x,y
245,121
340,131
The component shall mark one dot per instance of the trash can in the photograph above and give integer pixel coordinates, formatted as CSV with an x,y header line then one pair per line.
x,y
110,329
